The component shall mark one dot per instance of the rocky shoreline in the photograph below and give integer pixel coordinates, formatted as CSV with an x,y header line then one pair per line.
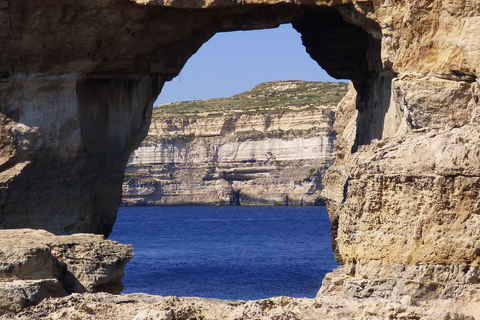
x,y
43,276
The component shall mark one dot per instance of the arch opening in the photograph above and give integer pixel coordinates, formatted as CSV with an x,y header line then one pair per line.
x,y
320,33
233,62
135,50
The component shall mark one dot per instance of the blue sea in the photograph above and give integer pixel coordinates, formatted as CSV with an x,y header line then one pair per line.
x,y
237,253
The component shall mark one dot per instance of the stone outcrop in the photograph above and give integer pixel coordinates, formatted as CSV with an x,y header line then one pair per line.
x,y
104,306
236,159
35,265
70,122
77,84
402,195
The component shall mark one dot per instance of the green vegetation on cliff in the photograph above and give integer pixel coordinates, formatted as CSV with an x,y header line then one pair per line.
x,y
267,97
267,146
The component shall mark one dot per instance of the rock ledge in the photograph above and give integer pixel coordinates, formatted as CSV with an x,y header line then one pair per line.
x,y
35,264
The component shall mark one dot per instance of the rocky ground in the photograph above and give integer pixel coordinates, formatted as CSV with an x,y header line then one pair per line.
x,y
35,265
59,277
105,306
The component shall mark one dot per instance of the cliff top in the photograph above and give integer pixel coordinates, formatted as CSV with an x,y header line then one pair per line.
x,y
267,97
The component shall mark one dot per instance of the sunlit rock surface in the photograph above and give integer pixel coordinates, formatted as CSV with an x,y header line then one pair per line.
x,y
77,81
274,155
104,306
35,265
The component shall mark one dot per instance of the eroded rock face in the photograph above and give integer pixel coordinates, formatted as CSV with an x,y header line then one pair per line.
x,y
402,194
77,82
404,187
72,113
250,172
35,264
234,156
67,141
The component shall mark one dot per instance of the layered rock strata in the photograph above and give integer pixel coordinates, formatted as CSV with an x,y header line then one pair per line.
x,y
35,265
71,114
407,228
236,173
235,159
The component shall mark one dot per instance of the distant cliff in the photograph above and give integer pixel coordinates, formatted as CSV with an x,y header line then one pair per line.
x,y
267,146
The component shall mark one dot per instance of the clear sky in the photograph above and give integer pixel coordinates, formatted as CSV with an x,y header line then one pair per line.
x,y
234,62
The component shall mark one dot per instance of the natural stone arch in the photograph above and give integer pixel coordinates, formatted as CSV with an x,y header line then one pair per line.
x,y
84,111
66,135
403,194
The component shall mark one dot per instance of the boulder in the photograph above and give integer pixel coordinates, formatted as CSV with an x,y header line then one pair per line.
x,y
35,264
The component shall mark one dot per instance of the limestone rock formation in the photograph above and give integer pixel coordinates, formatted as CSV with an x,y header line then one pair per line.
x,y
77,80
77,84
102,306
401,194
35,265
70,122
236,156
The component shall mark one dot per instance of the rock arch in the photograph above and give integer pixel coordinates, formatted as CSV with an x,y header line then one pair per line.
x,y
77,87
77,82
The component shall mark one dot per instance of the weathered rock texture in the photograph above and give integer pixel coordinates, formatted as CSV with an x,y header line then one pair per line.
x,y
35,264
77,83
102,306
402,196
71,114
237,158
403,192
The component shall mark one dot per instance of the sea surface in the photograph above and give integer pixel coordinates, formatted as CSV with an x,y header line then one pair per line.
x,y
238,253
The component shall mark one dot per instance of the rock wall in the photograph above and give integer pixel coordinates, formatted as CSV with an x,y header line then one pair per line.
x,y
65,145
262,159
402,192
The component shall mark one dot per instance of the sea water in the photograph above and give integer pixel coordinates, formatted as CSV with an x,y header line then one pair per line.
x,y
243,253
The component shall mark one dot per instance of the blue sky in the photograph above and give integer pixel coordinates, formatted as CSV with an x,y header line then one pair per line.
x,y
234,62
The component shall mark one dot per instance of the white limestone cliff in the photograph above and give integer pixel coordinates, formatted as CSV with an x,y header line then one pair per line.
x,y
267,159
